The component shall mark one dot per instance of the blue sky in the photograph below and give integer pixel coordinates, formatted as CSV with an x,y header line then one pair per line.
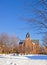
x,y
12,13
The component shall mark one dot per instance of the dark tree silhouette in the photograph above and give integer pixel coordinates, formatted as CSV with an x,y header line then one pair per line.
x,y
39,21
45,40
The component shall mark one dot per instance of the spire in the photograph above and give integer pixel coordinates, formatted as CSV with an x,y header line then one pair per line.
x,y
27,35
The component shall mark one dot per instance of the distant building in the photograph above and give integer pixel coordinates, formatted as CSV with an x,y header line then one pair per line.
x,y
29,46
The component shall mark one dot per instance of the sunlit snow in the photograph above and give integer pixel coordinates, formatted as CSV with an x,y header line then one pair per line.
x,y
19,60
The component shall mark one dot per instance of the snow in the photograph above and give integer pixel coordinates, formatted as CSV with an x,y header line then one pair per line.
x,y
19,60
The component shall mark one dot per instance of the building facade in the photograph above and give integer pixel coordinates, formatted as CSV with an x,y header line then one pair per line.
x,y
29,46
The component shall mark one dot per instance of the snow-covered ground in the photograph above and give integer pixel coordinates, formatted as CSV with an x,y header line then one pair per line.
x,y
19,60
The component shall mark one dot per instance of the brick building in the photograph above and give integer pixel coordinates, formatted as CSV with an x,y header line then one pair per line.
x,y
29,46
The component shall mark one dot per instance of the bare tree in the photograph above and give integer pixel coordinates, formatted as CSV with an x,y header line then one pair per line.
x,y
13,43
39,21
8,44
13,40
4,38
45,43
3,42
45,40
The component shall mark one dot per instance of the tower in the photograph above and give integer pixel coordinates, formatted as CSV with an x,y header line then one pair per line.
x,y
28,35
28,44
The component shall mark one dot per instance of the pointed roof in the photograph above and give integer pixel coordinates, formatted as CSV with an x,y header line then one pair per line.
x,y
27,35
